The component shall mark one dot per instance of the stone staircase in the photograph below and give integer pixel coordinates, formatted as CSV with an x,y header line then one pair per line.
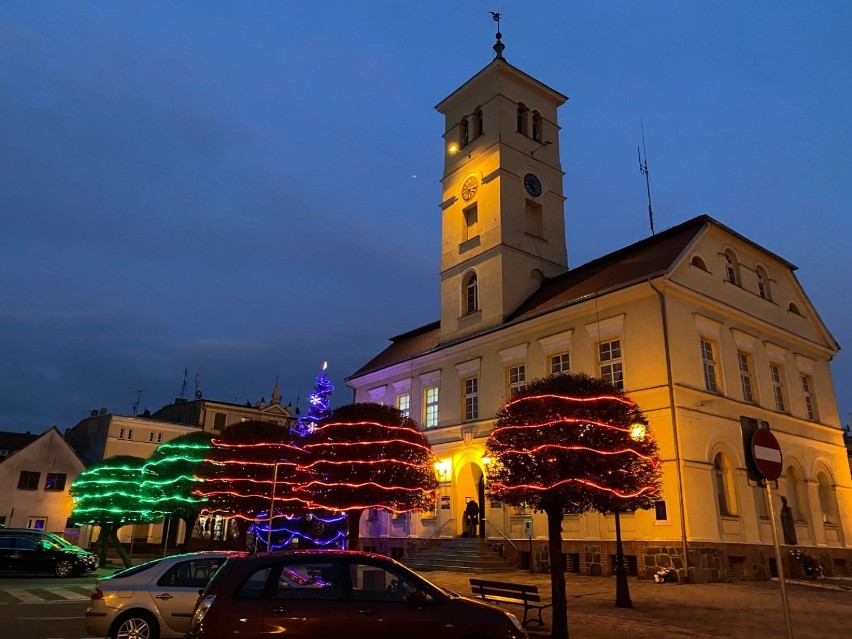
x,y
460,555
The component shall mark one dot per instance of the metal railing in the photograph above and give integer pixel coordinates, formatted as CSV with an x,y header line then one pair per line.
x,y
449,521
500,532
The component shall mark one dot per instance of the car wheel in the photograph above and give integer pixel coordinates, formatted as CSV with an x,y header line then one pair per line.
x,y
135,624
63,568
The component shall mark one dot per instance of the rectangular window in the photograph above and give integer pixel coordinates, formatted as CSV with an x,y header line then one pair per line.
x,y
471,398
778,387
661,512
745,377
517,379
535,225
403,403
55,481
130,434
159,437
609,360
37,523
151,436
430,407
560,364
28,480
471,223
810,405
121,434
709,365
219,421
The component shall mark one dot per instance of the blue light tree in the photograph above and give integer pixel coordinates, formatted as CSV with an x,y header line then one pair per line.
x,y
319,404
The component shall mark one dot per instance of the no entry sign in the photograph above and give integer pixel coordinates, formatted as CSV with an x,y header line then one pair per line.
x,y
767,454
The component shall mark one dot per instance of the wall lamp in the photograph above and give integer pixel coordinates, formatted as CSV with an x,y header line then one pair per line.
x,y
539,147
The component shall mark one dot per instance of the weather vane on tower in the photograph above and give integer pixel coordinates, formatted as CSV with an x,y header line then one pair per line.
x,y
498,46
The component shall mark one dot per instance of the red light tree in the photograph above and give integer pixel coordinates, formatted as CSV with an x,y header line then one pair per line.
x,y
367,456
571,443
247,465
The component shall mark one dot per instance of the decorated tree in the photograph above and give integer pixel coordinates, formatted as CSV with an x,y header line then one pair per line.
x,y
169,478
109,495
249,474
367,456
571,443
319,404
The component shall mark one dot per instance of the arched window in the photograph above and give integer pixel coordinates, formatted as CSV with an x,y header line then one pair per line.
x,y
471,293
763,284
827,498
732,268
697,262
537,126
522,118
464,132
477,127
793,308
794,493
723,478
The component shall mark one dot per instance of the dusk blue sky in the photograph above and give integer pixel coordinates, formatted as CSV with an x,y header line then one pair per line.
x,y
246,189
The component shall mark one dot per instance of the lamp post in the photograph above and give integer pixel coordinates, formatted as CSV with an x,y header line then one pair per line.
x,y
622,589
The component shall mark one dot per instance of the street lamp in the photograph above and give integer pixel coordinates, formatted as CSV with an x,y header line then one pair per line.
x,y
622,589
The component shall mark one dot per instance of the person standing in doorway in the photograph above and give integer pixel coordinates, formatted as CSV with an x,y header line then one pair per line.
x,y
471,515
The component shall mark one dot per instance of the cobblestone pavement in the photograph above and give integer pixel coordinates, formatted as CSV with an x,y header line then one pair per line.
x,y
750,610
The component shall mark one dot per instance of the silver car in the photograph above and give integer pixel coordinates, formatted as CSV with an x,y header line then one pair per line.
x,y
152,600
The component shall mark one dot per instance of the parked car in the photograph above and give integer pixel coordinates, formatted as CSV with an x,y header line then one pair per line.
x,y
328,593
26,550
151,600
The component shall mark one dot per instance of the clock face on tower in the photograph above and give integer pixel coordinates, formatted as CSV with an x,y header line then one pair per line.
x,y
469,188
532,184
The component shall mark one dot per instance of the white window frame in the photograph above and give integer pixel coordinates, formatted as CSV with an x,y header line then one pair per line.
x,y
470,398
776,376
403,403
560,363
516,379
431,401
709,365
611,362
746,377
810,400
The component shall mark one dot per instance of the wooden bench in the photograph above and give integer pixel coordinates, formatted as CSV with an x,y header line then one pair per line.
x,y
503,592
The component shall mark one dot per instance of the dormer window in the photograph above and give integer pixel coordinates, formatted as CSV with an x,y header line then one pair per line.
x,y
732,268
763,284
471,293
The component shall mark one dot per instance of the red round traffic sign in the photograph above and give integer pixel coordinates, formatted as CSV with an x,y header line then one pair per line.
x,y
767,454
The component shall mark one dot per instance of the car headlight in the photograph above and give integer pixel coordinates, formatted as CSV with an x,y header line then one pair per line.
x,y
201,609
515,621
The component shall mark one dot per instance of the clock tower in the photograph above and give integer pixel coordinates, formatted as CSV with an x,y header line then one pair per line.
x,y
503,225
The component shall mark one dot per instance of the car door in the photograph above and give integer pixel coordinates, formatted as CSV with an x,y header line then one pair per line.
x,y
387,601
7,548
176,590
306,599
28,555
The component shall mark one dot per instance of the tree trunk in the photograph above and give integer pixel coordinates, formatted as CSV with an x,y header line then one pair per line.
x,y
354,522
114,536
103,540
557,574
189,522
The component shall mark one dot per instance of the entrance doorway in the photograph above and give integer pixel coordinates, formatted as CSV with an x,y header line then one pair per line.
x,y
470,485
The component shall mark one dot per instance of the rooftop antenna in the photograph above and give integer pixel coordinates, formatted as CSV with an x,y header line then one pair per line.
x,y
137,402
498,46
643,168
183,386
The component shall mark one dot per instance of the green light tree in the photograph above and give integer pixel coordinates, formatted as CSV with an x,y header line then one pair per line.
x,y
109,495
367,456
169,477
571,443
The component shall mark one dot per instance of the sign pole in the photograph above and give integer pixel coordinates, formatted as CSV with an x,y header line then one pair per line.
x,y
779,563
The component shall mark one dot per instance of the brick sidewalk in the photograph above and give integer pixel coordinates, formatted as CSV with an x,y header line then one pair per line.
x,y
750,610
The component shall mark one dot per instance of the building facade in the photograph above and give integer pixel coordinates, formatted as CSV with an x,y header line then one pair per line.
x,y
704,328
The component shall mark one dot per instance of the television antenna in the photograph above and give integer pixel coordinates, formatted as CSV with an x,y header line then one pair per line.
x,y
643,168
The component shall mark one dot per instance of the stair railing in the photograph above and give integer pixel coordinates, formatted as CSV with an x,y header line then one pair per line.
x,y
500,532
429,538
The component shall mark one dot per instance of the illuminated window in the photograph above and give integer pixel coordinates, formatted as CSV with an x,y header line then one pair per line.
x,y
471,398
709,364
430,407
403,403
810,405
55,481
610,364
560,363
535,223
471,293
778,387
732,268
763,284
724,486
745,377
516,376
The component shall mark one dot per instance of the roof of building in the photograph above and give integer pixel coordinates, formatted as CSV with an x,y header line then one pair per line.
x,y
12,442
637,262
